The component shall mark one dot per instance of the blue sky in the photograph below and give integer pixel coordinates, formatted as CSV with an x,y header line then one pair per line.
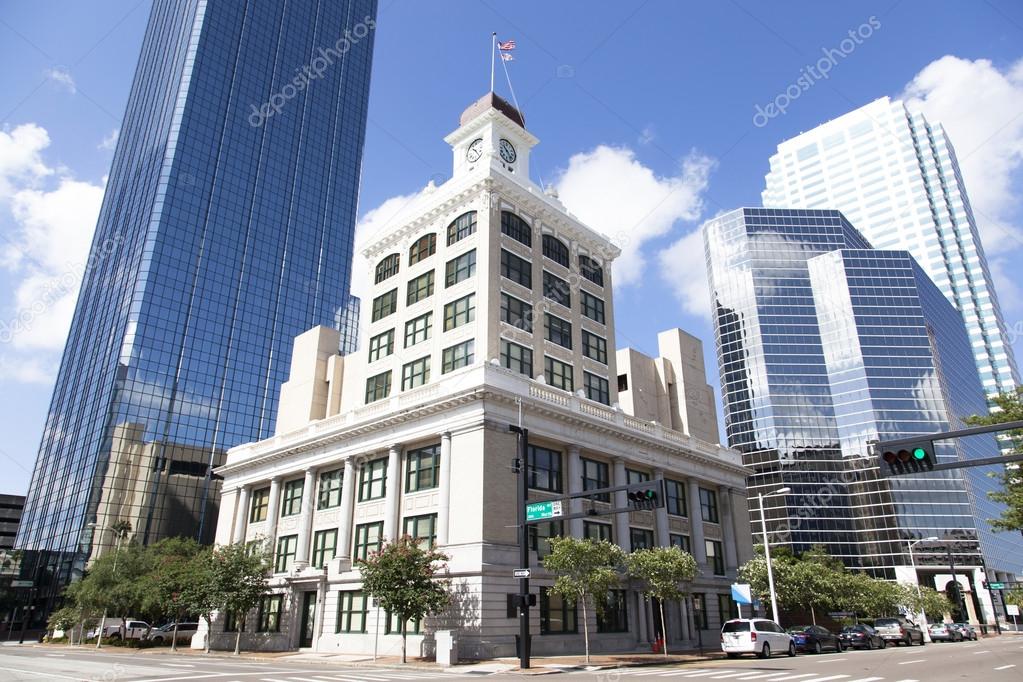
x,y
644,111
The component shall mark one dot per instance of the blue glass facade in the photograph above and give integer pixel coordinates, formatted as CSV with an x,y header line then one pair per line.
x,y
824,344
226,229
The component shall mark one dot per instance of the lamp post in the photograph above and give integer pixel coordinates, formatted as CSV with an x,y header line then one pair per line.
x,y
919,593
767,549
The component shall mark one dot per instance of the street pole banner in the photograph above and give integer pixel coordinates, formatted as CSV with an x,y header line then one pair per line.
x,y
741,593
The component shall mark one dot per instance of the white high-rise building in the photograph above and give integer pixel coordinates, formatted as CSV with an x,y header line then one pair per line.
x,y
489,305
894,175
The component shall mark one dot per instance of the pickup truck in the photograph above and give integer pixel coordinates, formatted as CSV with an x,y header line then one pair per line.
x,y
115,629
899,630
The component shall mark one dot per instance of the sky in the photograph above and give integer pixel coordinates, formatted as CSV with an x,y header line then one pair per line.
x,y
645,111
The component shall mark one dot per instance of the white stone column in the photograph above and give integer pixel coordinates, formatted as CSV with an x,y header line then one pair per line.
x,y
344,526
696,525
575,485
305,521
621,499
641,618
661,518
727,529
241,517
444,512
393,493
273,512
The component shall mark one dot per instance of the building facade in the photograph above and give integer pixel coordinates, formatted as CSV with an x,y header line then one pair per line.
x,y
225,230
11,509
491,306
895,176
825,344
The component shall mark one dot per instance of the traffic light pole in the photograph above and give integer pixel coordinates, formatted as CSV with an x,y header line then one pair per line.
x,y
522,490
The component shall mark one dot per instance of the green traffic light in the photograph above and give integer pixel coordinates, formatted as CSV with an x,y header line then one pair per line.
x,y
919,453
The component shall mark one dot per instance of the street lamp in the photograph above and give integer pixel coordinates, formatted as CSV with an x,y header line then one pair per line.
x,y
919,592
767,548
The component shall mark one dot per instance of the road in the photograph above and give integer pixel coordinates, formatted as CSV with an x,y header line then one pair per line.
x,y
992,660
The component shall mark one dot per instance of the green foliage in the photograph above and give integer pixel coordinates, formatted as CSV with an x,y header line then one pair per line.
x,y
664,571
403,578
586,569
169,578
238,578
1011,494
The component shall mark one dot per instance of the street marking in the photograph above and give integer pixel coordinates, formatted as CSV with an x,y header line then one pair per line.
x,y
832,660
178,665
33,672
675,673
867,679
721,677
709,672
830,677
915,660
985,651
795,677
764,676
1006,667
56,655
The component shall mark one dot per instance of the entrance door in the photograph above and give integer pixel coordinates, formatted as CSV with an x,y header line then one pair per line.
x,y
308,619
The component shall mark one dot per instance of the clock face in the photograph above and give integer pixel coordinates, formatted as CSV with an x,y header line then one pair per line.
x,y
474,151
507,151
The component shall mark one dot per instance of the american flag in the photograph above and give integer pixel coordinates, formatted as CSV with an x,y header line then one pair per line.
x,y
507,57
506,45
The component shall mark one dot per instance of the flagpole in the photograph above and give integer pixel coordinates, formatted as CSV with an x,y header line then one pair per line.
x,y
515,99
493,51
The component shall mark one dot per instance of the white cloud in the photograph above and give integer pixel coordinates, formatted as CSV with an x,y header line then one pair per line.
x,y
684,268
20,160
979,106
62,77
109,142
49,218
610,190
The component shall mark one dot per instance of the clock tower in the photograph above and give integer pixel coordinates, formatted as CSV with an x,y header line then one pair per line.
x,y
492,133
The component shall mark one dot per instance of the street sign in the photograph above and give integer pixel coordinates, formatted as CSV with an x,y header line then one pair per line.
x,y
995,586
841,614
520,573
537,511
1012,609
21,583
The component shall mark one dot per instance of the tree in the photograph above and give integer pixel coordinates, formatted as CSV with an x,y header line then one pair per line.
x,y
924,600
664,571
403,578
586,569
201,594
169,577
239,573
1011,494
64,618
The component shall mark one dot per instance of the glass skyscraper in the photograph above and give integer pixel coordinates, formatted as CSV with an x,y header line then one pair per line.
x,y
824,344
894,175
226,230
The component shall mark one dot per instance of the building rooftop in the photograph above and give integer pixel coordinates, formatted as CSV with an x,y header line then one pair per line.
x,y
492,101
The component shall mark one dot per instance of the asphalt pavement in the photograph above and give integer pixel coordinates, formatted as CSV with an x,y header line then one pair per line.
x,y
991,660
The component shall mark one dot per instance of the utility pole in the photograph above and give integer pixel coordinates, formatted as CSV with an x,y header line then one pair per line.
x,y
522,489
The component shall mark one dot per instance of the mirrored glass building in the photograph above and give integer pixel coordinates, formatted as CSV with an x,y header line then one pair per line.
x,y
895,175
824,344
226,230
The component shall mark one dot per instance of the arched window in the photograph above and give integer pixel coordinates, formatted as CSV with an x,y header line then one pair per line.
x,y
591,270
423,248
461,227
388,267
555,249
516,228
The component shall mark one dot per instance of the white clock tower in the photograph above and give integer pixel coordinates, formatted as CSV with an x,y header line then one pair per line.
x,y
492,132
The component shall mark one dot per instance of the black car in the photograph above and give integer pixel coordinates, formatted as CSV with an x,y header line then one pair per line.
x,y
814,638
862,636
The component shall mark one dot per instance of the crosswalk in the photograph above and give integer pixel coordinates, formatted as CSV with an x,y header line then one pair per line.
x,y
758,676
353,676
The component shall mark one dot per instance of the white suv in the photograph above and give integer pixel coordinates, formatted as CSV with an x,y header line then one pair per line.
x,y
755,636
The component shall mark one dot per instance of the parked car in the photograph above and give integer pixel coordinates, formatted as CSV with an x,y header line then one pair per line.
x,y
165,633
814,638
755,636
899,630
944,632
115,629
967,630
862,636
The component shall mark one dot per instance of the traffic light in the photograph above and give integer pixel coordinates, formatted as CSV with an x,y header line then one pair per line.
x,y
646,495
903,457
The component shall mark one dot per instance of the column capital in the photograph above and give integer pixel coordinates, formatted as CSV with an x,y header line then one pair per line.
x,y
394,447
658,473
276,478
573,449
446,435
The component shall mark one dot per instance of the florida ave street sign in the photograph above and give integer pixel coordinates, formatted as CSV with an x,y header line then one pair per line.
x,y
537,511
